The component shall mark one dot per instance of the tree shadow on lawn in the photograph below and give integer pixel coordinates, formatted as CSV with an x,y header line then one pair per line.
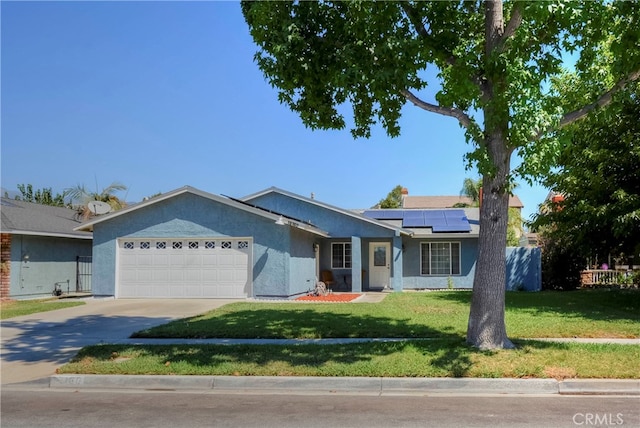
x,y
270,323
435,358
597,305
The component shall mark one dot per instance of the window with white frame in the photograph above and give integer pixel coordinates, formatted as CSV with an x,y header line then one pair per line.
x,y
440,258
341,255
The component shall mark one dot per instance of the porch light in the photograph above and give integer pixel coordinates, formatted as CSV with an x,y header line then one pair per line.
x,y
280,221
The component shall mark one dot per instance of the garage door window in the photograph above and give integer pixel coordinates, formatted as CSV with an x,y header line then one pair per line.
x,y
177,245
226,245
145,245
193,245
128,245
209,245
161,245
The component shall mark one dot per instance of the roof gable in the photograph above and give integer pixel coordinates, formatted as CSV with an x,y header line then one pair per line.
x,y
348,213
217,198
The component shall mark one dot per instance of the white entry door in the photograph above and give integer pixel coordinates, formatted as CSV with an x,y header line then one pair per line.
x,y
379,265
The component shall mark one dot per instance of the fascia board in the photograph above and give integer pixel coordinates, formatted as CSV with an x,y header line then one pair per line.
x,y
50,234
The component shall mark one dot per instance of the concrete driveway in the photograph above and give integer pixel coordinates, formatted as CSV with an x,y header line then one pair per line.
x,y
33,346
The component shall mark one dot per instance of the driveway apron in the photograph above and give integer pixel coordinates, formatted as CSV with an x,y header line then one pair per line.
x,y
33,346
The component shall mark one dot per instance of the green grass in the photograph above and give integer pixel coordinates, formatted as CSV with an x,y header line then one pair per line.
x,y
413,358
441,316
17,308
587,313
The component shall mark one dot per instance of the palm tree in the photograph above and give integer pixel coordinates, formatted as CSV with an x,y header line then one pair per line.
x,y
471,189
80,197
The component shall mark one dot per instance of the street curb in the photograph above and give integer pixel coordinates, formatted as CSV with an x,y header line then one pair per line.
x,y
351,385
600,387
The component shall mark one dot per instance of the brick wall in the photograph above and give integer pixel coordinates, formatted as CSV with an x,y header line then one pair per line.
x,y
5,267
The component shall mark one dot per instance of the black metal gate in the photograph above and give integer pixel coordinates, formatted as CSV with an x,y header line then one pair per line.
x,y
83,274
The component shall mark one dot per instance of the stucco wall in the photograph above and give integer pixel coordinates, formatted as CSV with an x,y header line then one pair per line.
x,y
341,227
189,215
39,262
413,279
302,265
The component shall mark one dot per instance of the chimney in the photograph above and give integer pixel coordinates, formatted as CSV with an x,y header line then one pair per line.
x,y
404,191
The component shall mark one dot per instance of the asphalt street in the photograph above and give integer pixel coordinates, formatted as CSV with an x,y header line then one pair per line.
x,y
34,408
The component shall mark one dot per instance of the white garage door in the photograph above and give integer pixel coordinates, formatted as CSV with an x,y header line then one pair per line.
x,y
184,268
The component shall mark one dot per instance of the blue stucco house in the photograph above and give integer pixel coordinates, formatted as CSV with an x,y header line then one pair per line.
x,y
41,250
188,243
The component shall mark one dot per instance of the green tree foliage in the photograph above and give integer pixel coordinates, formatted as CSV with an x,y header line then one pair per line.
x,y
393,199
562,261
599,178
493,60
42,196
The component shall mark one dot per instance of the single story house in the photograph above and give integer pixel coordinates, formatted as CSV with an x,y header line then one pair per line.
x,y
41,249
188,243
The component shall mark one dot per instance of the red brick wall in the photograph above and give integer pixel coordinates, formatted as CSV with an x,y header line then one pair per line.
x,y
5,269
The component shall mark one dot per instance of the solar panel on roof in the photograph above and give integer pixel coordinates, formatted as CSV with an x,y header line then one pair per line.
x,y
437,220
412,214
413,222
383,214
451,228
434,214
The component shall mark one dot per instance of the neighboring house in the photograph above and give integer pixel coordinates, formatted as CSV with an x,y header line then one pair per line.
x,y
275,244
433,202
40,249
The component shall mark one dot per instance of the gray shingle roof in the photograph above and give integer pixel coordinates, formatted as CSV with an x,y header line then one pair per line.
x,y
27,218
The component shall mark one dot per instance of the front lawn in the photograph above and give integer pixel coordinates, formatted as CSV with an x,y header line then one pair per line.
x,y
587,313
414,358
440,317
17,308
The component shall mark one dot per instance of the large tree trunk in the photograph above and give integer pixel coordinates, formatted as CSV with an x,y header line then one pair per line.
x,y
487,329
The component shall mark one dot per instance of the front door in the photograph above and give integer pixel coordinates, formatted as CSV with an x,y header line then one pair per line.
x,y
379,265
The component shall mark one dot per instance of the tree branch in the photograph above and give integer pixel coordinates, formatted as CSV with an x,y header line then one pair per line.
x,y
446,111
514,23
415,19
603,101
448,57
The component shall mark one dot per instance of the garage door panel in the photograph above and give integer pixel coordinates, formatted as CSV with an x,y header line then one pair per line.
x,y
188,267
176,276
192,276
209,275
145,275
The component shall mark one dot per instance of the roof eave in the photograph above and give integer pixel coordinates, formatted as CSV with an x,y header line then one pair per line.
x,y
50,234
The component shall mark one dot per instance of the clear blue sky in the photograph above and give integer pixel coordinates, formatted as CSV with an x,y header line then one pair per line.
x,y
158,95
